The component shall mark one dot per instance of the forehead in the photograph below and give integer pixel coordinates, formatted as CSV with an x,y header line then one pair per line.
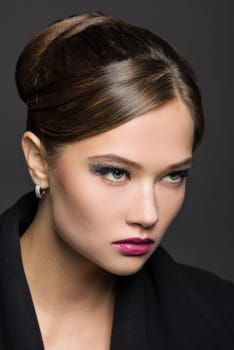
x,y
162,135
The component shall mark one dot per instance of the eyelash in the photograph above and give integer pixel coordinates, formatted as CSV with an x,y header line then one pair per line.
x,y
104,170
182,174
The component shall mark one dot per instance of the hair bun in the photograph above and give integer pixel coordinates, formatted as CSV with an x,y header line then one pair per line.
x,y
29,76
84,75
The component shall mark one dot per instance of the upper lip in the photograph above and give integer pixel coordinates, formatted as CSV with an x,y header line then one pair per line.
x,y
136,240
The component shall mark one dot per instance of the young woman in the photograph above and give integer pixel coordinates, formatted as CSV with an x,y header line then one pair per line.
x,y
114,116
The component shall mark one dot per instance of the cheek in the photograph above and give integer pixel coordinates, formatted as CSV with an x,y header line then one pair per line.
x,y
81,201
73,205
169,203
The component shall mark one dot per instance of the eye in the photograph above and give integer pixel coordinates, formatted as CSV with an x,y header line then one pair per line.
x,y
116,174
111,173
176,177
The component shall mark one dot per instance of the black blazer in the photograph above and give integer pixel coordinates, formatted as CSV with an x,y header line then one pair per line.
x,y
164,306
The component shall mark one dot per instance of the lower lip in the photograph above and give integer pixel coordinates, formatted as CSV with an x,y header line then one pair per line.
x,y
133,249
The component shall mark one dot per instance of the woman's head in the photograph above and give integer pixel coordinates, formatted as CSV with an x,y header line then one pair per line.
x,y
111,197
119,114
88,74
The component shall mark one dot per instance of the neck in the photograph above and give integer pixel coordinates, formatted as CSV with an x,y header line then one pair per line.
x,y
59,278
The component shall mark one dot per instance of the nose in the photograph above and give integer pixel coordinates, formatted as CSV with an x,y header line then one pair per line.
x,y
143,209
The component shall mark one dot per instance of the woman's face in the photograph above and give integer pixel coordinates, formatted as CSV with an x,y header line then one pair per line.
x,y
112,196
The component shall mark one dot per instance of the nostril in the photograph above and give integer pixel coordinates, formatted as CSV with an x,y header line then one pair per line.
x,y
149,226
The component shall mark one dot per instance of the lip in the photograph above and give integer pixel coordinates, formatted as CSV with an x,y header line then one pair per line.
x,y
134,246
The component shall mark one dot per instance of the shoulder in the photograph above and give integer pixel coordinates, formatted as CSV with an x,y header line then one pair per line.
x,y
20,213
13,223
209,292
193,299
209,283
164,267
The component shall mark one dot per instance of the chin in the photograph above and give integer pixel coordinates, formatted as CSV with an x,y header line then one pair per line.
x,y
126,269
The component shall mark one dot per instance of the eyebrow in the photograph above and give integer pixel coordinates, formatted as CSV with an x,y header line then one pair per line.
x,y
129,163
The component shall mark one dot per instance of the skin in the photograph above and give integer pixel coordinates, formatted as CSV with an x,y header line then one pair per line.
x,y
84,212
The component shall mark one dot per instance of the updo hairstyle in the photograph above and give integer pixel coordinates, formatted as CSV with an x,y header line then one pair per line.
x,y
84,75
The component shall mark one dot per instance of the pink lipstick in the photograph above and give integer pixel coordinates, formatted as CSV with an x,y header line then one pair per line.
x,y
134,246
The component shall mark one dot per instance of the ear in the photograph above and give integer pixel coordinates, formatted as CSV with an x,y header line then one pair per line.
x,y
35,156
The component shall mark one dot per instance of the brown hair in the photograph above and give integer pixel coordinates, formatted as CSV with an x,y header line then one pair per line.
x,y
87,74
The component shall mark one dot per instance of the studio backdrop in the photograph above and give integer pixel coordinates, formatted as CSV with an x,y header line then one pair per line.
x,y
202,31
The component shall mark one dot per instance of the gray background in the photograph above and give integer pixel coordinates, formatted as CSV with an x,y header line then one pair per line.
x,y
203,233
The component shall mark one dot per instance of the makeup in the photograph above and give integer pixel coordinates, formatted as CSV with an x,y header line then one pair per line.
x,y
177,176
112,173
113,195
103,169
134,246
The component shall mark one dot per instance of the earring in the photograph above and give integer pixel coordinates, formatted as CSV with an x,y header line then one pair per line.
x,y
39,192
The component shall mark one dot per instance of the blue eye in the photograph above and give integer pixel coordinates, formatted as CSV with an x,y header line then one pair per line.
x,y
111,173
176,177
